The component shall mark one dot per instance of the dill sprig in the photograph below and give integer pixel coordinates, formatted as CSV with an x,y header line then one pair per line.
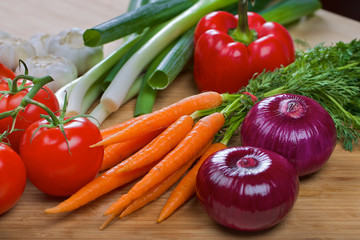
x,y
329,75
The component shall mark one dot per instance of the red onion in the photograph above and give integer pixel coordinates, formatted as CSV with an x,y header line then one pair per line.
x,y
247,188
294,126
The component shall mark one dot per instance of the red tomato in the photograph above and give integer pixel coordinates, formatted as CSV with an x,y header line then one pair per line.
x,y
54,168
30,114
12,178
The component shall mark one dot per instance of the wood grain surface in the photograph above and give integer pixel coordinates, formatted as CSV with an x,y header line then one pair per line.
x,y
328,206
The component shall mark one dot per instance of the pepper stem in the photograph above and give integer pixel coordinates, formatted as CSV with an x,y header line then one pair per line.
x,y
243,33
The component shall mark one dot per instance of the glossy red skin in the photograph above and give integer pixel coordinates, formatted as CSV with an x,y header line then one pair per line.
x,y
12,178
30,114
223,65
307,140
50,166
5,72
247,198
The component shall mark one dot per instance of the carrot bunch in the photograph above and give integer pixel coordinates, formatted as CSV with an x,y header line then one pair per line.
x,y
159,148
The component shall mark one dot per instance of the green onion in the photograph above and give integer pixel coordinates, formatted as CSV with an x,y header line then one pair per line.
x,y
78,88
290,10
147,95
136,20
99,113
115,93
173,62
146,36
163,70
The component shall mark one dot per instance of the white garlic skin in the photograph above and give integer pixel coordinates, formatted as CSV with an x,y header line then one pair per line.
x,y
60,69
70,44
13,49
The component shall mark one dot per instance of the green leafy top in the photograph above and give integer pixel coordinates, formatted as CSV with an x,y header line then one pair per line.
x,y
327,74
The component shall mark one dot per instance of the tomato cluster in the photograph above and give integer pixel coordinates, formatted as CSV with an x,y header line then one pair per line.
x,y
53,152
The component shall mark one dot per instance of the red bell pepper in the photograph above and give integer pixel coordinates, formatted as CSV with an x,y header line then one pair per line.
x,y
230,50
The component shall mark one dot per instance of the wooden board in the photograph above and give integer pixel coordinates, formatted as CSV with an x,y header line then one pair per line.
x,y
328,206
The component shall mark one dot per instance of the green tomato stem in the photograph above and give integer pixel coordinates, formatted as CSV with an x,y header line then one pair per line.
x,y
54,119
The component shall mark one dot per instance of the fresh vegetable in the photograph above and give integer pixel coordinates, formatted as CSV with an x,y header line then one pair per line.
x,y
106,132
173,62
13,49
164,143
115,93
135,20
78,88
40,42
60,69
113,178
186,187
105,183
5,72
285,12
12,178
230,49
294,126
327,74
69,44
247,188
203,131
159,189
12,93
56,153
115,153
163,70
165,116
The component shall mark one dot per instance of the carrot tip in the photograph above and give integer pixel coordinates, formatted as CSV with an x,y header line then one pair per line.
x,y
51,210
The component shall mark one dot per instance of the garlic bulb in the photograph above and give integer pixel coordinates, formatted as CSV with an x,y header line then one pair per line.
x,y
60,69
12,49
40,42
70,44
4,34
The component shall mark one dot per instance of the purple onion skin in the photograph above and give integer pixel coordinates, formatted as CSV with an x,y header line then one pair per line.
x,y
247,188
294,126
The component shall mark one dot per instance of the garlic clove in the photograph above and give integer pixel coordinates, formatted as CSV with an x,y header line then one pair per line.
x,y
70,44
41,41
60,69
13,49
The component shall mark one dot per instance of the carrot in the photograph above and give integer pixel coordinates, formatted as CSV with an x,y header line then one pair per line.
x,y
98,187
194,141
156,191
106,132
111,179
186,187
165,116
115,153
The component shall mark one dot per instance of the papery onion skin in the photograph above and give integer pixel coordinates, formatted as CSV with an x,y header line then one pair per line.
x,y
241,195
305,134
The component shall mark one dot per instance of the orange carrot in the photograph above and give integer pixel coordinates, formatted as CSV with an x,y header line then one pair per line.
x,y
156,191
98,187
203,131
111,179
186,187
115,153
106,132
165,116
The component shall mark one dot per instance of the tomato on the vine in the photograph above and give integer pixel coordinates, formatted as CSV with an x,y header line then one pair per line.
x,y
31,113
58,158
12,178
